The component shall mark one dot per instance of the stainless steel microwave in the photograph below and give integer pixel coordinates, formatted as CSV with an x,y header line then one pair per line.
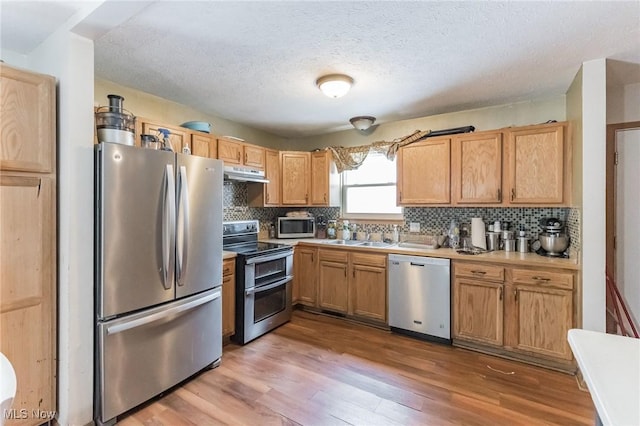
x,y
296,227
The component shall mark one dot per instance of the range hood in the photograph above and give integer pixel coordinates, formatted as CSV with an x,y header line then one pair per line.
x,y
244,174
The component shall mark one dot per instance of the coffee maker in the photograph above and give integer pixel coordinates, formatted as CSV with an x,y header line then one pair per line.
x,y
552,241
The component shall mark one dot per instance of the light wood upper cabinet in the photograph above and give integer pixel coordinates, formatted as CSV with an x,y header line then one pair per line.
x,y
294,166
476,168
536,165
424,172
267,194
28,268
28,119
306,275
272,172
234,152
325,180
230,151
254,156
204,146
228,297
179,136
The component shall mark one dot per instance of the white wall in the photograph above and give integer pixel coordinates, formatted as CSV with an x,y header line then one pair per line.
x,y
69,57
593,199
623,103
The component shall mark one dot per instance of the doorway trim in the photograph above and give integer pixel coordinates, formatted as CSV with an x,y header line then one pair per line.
x,y
610,215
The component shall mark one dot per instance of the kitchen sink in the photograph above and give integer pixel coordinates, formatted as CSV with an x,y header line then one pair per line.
x,y
345,242
376,244
358,243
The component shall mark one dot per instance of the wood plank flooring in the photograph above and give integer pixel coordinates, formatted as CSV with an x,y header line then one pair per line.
x,y
318,370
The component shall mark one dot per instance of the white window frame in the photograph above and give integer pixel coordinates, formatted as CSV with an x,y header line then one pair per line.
x,y
368,216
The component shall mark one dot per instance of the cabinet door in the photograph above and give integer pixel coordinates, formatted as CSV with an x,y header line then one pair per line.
x,y
334,286
179,137
203,146
478,311
536,165
230,151
295,178
306,278
228,304
320,178
27,138
369,292
541,318
424,173
27,290
272,173
476,168
254,156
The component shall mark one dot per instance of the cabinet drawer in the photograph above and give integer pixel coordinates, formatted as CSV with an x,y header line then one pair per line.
x,y
474,270
228,267
369,259
546,278
333,255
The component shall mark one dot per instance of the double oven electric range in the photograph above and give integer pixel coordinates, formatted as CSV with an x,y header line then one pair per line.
x,y
264,273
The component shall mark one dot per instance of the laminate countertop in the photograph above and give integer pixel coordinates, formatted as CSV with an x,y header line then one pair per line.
x,y
610,365
513,258
228,255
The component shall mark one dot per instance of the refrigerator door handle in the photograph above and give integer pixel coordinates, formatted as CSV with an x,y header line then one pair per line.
x,y
119,328
168,226
182,237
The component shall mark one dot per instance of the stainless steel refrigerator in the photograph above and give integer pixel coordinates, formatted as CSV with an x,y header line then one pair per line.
x,y
158,273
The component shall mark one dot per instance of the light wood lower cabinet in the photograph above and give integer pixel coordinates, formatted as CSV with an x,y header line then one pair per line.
x,y
369,286
305,277
228,297
353,283
478,311
333,280
528,312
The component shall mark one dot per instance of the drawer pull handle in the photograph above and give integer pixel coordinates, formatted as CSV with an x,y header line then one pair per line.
x,y
501,289
479,272
515,295
541,278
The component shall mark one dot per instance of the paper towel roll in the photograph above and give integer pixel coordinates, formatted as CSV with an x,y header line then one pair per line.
x,y
478,238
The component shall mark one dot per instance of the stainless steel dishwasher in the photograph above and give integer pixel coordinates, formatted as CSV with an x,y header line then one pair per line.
x,y
420,296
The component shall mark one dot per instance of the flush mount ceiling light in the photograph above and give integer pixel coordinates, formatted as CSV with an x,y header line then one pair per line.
x,y
334,85
362,122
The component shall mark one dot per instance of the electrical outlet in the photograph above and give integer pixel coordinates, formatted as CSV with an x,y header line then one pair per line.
x,y
414,226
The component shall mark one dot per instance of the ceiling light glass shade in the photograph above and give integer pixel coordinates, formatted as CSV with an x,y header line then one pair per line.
x,y
335,85
362,122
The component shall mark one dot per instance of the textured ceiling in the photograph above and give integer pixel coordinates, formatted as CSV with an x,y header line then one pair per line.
x,y
257,62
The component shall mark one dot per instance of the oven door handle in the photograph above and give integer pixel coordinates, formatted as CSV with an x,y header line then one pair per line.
x,y
260,289
261,259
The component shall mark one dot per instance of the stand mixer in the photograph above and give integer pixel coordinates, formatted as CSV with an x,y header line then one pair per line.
x,y
552,241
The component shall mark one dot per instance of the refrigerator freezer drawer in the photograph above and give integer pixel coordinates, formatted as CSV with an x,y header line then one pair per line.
x,y
141,355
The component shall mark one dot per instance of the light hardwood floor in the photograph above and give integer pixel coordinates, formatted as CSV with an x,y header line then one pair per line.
x,y
318,370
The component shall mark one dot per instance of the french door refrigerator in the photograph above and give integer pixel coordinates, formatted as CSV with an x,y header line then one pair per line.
x,y
158,273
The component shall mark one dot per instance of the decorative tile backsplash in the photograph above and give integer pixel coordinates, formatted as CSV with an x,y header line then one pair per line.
x,y
433,220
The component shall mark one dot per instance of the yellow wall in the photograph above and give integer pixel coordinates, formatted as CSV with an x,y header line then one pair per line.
x,y
145,105
516,114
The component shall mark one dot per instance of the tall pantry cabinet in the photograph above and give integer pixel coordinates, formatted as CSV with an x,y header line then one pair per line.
x,y
28,240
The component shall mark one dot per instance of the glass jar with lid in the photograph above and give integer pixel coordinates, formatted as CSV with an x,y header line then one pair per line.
x,y
331,229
